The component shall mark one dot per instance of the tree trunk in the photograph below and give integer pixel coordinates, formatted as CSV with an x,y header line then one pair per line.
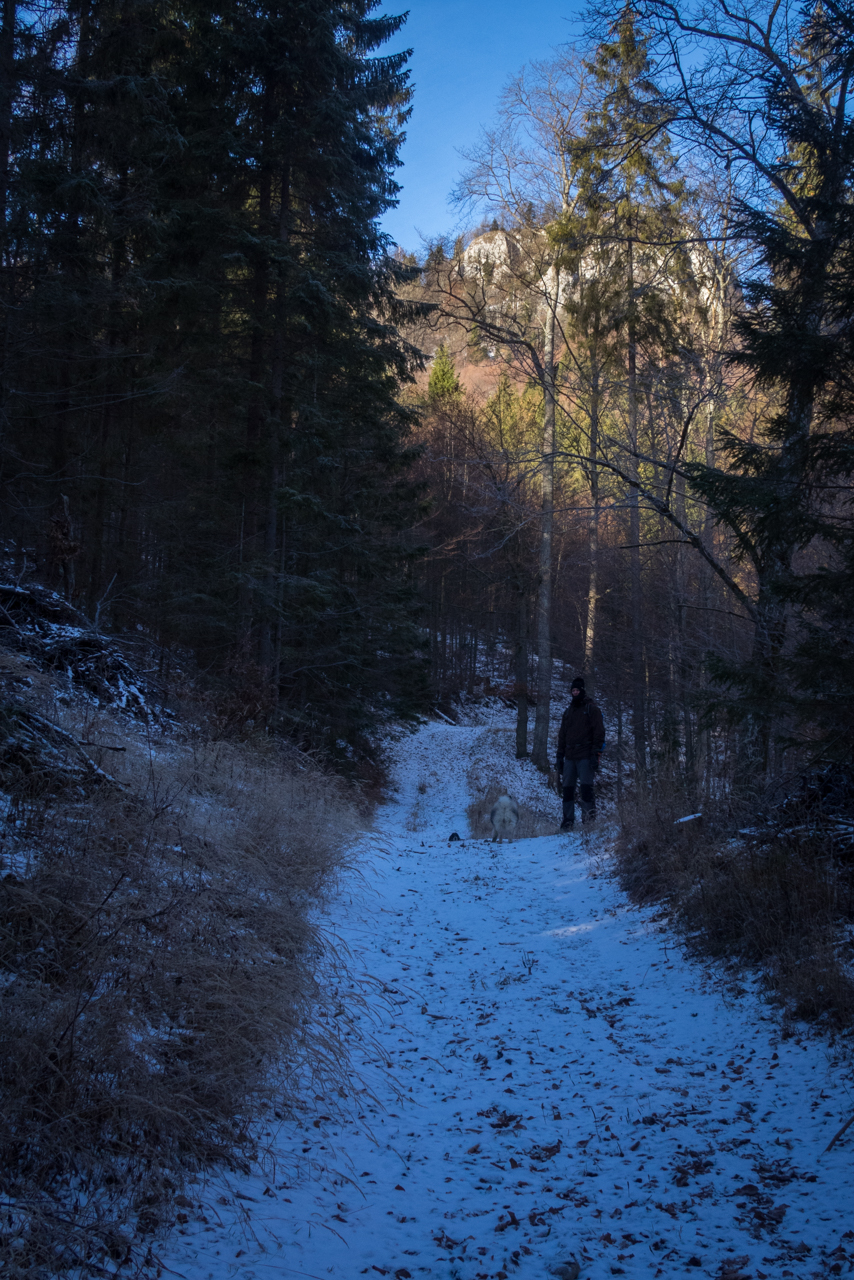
x,y
638,674
593,525
540,752
521,679
682,665
114,388
254,638
280,415
619,743
773,573
709,449
7,92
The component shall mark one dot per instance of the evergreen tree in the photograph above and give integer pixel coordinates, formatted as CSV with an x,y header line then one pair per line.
x,y
788,490
204,370
443,383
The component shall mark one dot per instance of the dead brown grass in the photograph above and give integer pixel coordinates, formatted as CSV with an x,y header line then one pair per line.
x,y
781,902
159,965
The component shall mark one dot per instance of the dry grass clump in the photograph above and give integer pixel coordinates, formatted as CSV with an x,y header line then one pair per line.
x,y
159,968
778,897
532,822
655,851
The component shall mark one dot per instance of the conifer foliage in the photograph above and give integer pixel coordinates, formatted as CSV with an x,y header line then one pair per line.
x,y
202,436
444,383
788,490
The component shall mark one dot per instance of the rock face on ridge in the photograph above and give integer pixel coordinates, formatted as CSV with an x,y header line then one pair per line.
x,y
498,248
505,262
501,287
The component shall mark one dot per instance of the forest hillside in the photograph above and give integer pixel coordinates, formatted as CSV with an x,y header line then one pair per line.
x,y
275,493
164,975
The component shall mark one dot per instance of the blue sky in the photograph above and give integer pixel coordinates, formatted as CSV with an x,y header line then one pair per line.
x,y
464,51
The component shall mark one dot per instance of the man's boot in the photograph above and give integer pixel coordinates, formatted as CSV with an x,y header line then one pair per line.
x,y
568,811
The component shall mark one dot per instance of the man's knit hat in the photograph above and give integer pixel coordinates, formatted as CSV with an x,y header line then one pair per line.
x,y
578,683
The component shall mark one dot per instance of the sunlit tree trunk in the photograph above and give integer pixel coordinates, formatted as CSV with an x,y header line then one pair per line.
x,y
593,525
540,751
638,671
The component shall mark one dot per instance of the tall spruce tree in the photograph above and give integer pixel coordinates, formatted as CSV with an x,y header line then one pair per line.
x,y
324,498
204,435
443,383
789,490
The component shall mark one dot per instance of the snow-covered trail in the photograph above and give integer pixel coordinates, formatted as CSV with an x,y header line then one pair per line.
x,y
567,1086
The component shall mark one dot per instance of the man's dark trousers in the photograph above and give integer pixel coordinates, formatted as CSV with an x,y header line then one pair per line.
x,y
579,772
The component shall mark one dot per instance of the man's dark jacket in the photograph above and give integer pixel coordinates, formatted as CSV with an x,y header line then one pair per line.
x,y
582,732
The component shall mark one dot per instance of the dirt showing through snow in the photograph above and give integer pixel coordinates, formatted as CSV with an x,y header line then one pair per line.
x,y
551,1087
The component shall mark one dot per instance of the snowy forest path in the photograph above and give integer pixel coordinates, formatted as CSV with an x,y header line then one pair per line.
x,y
544,1080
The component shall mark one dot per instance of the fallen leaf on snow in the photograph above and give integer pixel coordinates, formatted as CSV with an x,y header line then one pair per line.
x,y
512,1221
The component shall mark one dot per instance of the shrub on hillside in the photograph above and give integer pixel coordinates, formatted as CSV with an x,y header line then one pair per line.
x,y
777,895
159,971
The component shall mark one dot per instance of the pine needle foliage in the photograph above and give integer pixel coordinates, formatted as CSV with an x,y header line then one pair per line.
x,y
785,496
199,343
444,383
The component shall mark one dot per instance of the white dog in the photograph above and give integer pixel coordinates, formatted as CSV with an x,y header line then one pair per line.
x,y
503,815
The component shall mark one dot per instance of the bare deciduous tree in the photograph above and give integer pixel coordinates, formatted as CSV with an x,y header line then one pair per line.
x,y
508,285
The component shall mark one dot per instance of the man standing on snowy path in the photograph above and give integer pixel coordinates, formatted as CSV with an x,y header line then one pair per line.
x,y
579,744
